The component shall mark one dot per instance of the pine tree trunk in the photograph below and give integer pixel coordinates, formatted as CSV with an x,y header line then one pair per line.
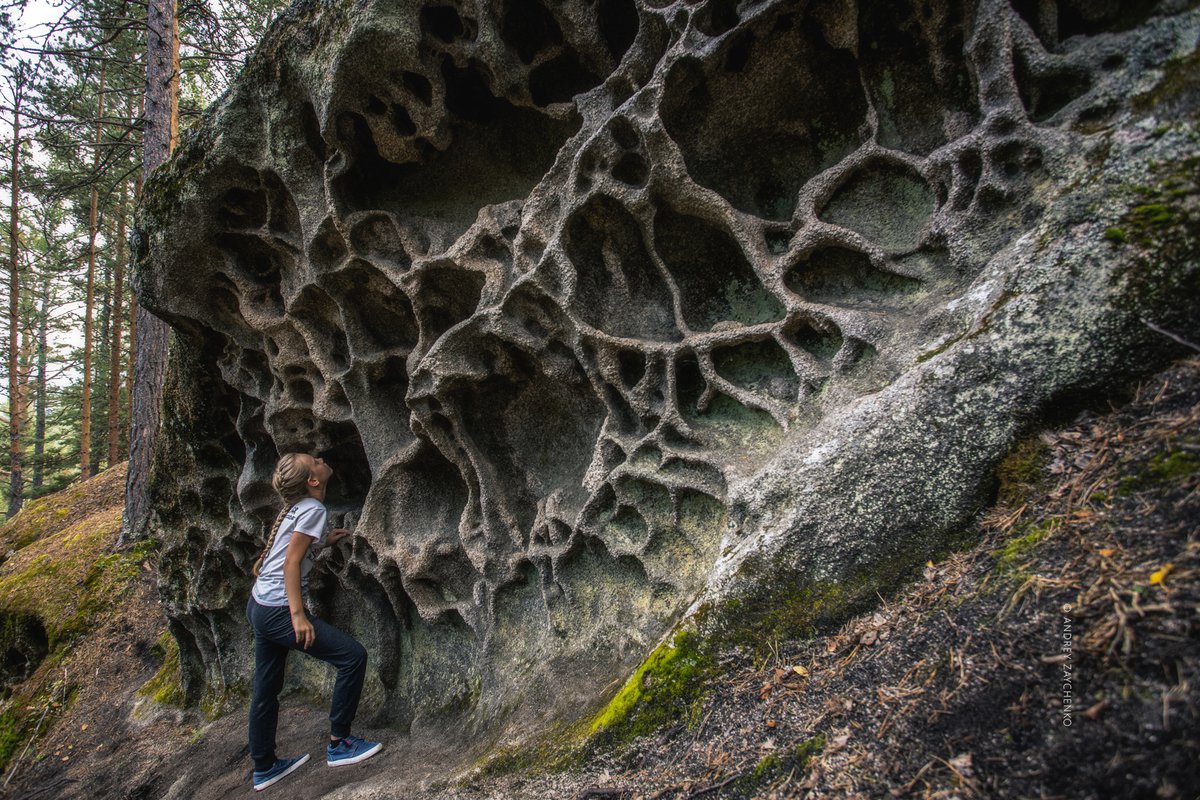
x,y
114,348
85,428
16,487
132,361
25,365
161,131
39,392
101,361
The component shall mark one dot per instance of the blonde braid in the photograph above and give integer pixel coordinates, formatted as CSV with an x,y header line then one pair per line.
x,y
291,481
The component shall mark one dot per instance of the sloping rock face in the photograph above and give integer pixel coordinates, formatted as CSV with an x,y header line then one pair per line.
x,y
613,313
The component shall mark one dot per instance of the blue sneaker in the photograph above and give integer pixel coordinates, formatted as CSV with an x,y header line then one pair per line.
x,y
283,767
350,750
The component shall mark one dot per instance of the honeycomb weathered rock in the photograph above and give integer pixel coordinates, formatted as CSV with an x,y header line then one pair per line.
x,y
593,304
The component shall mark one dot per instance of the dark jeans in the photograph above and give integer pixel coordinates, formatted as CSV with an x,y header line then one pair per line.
x,y
273,638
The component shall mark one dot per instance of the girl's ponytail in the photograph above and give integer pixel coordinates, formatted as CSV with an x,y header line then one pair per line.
x,y
291,481
270,541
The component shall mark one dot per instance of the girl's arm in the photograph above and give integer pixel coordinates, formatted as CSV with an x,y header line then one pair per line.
x,y
297,547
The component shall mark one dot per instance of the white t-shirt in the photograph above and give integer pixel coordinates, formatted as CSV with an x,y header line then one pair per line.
x,y
308,517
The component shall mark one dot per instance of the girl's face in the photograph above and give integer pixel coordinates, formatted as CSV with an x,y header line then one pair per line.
x,y
319,470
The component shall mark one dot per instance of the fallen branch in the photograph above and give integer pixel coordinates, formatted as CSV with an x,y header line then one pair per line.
x,y
1170,335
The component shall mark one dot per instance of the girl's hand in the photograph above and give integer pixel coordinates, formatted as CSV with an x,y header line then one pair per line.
x,y
306,634
338,534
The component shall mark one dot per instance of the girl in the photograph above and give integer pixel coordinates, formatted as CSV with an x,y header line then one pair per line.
x,y
280,622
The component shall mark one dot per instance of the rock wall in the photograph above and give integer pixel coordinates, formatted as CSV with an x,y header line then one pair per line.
x,y
607,313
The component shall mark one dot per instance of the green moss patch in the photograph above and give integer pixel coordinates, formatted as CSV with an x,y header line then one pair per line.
x,y
1022,471
1016,551
52,513
166,687
61,581
1163,470
779,764
669,685
1178,89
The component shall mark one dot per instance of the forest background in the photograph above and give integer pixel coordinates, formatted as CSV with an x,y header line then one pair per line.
x,y
73,107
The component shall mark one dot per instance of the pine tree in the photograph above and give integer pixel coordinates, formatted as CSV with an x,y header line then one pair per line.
x,y
16,450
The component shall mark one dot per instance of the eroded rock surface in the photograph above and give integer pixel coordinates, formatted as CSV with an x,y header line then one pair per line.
x,y
604,311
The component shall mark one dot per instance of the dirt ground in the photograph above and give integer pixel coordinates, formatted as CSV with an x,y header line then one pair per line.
x,y
1058,657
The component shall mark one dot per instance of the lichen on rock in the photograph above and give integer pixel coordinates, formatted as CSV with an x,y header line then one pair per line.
x,y
608,312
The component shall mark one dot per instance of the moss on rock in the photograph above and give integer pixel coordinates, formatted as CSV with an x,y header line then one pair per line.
x,y
668,685
166,687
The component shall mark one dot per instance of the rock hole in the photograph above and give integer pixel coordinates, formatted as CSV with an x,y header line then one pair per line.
x,y
380,313
618,23
560,79
401,120
739,52
376,238
689,384
618,290
716,282
497,154
447,296
777,240
343,449
847,278
24,645
443,23
632,364
915,73
336,395
301,392
535,433
1045,94
762,367
821,341
327,248
311,128
419,86
717,17
886,202
623,133
620,412
243,209
632,170
1014,158
371,179
757,136
529,28
968,169
320,317
467,93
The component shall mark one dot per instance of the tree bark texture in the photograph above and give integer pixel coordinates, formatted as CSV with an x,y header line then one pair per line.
x,y
16,488
161,121
39,409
